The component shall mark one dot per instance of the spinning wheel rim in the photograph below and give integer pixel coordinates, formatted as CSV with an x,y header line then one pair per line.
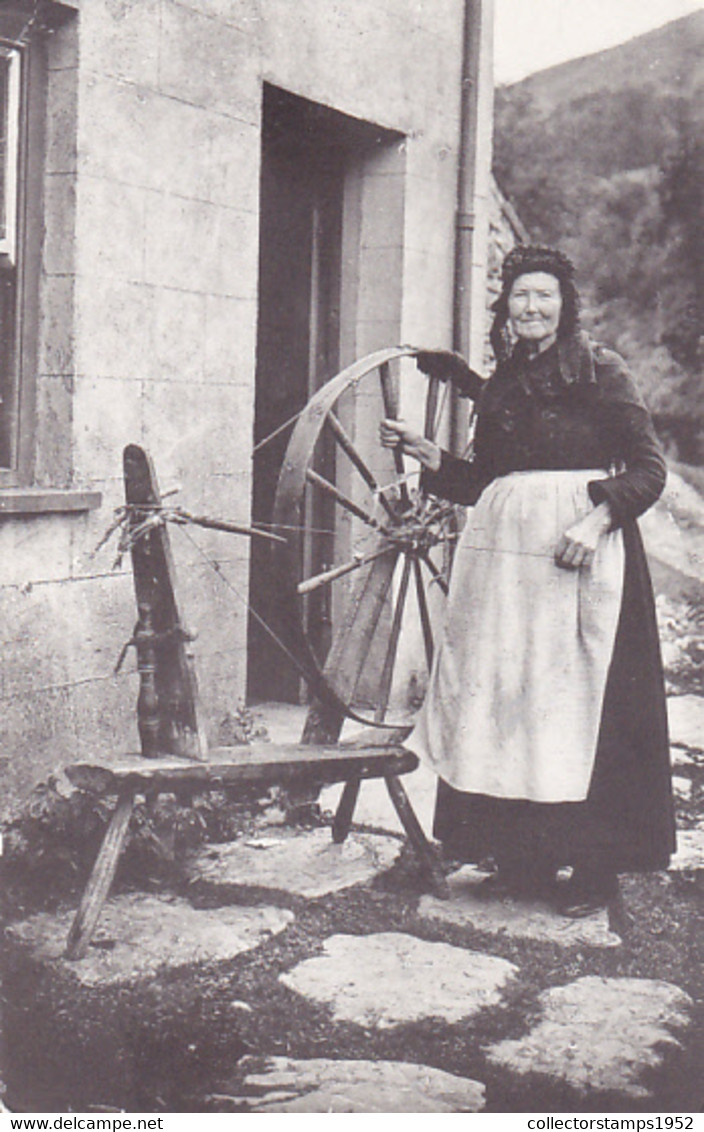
x,y
394,539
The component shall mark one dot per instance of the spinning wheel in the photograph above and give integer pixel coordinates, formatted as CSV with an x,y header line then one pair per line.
x,y
367,550
363,547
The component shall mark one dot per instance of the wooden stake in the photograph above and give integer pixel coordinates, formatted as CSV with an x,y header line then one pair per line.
x,y
101,878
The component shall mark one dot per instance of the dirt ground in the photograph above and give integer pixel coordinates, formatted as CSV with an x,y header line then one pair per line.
x,y
173,1043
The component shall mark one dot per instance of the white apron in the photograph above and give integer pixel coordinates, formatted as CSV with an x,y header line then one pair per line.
x,y
515,696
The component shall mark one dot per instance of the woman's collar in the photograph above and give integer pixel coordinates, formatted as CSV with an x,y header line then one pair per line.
x,y
574,357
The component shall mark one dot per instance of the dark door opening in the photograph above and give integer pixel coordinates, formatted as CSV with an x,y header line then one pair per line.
x,y
298,344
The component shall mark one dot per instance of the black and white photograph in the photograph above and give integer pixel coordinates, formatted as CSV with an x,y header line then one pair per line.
x,y
352,561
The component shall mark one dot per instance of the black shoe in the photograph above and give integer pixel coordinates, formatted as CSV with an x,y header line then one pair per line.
x,y
451,858
536,882
586,893
501,882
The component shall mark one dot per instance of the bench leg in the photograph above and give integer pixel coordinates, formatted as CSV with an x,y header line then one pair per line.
x,y
345,809
424,850
101,878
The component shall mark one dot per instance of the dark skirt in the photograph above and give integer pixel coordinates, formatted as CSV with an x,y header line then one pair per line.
x,y
627,820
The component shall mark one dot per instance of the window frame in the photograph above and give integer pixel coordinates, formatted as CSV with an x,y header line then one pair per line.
x,y
22,250
22,30
10,194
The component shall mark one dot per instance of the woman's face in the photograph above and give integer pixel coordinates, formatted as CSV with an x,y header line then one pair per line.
x,y
534,306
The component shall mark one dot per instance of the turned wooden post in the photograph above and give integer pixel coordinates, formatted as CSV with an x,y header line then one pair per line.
x,y
148,718
170,718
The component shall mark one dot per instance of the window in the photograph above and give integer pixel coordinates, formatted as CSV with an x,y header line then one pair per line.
x,y
31,32
23,75
10,127
9,146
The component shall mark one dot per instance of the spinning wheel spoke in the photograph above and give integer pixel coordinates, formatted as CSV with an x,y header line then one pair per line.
x,y
328,576
437,576
391,412
349,449
392,647
344,500
440,412
388,392
424,613
431,409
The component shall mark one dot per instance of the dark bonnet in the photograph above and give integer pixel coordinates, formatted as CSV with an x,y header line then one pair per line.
x,y
522,260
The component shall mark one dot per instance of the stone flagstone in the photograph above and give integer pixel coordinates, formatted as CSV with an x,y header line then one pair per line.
x,y
470,905
599,1033
389,978
137,935
686,721
359,1086
305,863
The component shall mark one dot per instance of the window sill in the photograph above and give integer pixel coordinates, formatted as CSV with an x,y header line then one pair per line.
x,y
45,501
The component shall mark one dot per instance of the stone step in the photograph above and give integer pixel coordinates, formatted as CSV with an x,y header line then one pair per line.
x,y
471,905
599,1034
306,863
322,1085
139,935
390,978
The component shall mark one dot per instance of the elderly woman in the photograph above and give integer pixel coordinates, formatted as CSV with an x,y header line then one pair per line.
x,y
545,714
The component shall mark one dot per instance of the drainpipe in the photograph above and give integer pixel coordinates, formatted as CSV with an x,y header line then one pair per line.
x,y
474,171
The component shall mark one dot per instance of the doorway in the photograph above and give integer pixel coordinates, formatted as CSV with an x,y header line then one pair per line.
x,y
298,340
313,161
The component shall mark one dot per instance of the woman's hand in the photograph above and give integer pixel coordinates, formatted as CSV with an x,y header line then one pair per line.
x,y
576,548
396,434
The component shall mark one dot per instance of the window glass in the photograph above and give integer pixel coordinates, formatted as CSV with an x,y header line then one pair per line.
x,y
9,168
10,62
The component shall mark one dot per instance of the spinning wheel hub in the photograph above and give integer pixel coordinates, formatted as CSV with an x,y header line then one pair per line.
x,y
422,528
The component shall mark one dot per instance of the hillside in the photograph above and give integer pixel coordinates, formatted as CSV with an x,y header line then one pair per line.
x,y
667,60
605,156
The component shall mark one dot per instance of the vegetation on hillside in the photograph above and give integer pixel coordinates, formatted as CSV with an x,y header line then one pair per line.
x,y
612,169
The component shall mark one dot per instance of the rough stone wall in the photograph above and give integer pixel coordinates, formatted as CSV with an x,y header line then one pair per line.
x,y
149,307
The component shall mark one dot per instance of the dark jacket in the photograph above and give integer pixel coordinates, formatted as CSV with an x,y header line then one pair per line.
x,y
575,406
